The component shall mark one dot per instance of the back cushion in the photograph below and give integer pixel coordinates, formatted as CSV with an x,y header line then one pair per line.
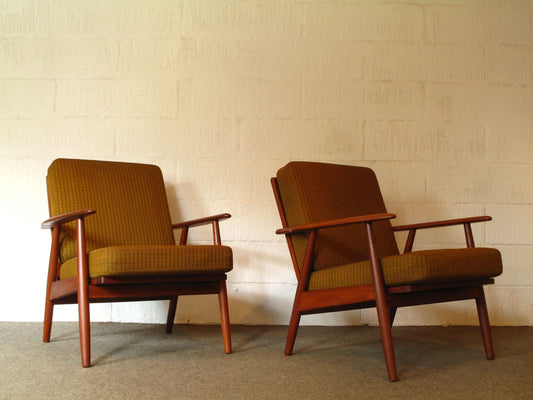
x,y
129,199
313,192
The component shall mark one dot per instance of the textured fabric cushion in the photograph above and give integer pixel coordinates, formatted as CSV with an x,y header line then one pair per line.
x,y
427,266
313,192
153,260
130,202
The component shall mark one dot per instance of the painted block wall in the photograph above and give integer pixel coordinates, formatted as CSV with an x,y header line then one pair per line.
x,y
435,95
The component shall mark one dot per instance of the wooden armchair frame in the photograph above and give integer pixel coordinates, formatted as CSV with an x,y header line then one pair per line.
x,y
385,299
83,290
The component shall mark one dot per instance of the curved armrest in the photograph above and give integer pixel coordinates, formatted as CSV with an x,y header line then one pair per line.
x,y
67,217
213,220
200,221
412,228
335,222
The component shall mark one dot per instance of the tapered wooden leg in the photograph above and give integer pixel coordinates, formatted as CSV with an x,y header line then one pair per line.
x,y
47,326
384,313
83,296
293,330
485,325
171,313
85,331
52,276
386,339
224,316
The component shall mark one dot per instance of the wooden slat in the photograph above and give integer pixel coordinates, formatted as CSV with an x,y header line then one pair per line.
x,y
154,279
134,292
436,296
335,299
437,286
63,288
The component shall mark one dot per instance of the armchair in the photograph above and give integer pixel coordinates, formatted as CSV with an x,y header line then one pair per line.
x,y
113,240
345,255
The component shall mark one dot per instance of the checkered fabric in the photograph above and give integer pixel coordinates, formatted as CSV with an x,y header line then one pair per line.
x,y
427,266
131,231
154,260
313,192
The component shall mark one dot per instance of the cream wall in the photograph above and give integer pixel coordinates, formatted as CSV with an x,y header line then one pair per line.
x,y
435,95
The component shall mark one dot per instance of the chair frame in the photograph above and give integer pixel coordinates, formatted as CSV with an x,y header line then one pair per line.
x,y
385,299
83,290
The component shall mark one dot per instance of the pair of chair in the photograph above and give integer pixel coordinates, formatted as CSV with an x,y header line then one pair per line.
x,y
338,231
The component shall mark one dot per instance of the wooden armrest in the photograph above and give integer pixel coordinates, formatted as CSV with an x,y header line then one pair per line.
x,y
200,221
437,224
335,222
67,217
213,220
412,228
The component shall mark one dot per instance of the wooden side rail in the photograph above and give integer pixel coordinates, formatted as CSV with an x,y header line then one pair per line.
x,y
412,228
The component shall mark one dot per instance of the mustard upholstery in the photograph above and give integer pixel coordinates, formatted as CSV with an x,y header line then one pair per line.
x,y
313,192
345,255
131,232
128,212
427,266
154,260
111,220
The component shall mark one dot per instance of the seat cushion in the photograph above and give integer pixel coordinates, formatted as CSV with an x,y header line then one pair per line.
x,y
154,260
427,266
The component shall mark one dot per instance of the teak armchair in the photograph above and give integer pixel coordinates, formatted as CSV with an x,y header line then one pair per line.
x,y
113,240
345,254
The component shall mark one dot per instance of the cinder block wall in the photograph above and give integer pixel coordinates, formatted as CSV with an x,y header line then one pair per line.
x,y
435,95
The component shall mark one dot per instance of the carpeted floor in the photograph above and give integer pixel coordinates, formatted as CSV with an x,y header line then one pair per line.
x,y
137,361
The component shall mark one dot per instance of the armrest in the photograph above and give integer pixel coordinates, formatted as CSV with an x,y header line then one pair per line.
x,y
200,221
335,222
437,224
213,220
67,217
412,228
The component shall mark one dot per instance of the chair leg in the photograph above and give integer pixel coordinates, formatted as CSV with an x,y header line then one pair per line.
x,y
386,340
83,296
85,330
47,326
293,330
171,313
52,276
484,324
224,316
384,312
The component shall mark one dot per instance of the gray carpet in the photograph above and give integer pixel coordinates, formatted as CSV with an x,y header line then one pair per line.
x,y
137,361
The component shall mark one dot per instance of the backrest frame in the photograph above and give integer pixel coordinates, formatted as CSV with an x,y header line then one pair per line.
x,y
283,217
